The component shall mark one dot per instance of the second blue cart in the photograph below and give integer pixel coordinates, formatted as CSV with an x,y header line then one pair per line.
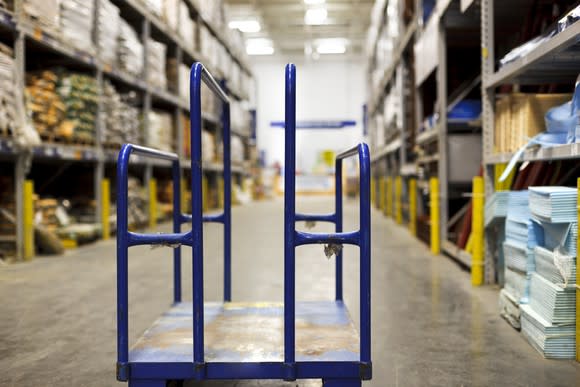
x,y
239,340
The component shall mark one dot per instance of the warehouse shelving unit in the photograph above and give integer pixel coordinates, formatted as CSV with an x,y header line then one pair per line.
x,y
421,57
553,61
28,39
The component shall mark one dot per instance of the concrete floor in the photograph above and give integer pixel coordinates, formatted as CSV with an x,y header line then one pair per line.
x,y
430,327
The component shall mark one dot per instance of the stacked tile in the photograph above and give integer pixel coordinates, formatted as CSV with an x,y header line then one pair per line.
x,y
122,124
156,53
108,20
548,321
8,100
516,255
496,207
129,50
76,23
159,132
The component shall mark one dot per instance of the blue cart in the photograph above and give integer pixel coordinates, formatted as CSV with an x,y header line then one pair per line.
x,y
239,340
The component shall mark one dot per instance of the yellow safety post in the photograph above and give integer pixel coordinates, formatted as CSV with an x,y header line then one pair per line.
x,y
234,195
106,208
578,287
373,191
205,194
413,206
434,214
389,193
152,203
382,197
28,219
399,200
477,232
183,195
221,193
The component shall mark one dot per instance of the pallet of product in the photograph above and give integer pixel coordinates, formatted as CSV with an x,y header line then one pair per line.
x,y
552,341
519,117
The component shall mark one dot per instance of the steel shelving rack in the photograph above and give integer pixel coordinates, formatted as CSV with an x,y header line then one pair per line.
x,y
27,37
393,159
554,61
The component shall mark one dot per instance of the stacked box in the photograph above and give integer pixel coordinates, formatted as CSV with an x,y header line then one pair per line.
x,y
155,6
44,13
137,203
76,23
237,150
8,99
239,117
186,26
179,71
108,24
129,50
156,54
208,46
160,131
122,123
170,13
519,117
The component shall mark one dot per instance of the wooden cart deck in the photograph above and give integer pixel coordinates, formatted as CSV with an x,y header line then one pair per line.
x,y
251,332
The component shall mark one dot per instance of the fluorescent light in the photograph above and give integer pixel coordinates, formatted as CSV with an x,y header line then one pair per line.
x,y
331,46
314,2
259,46
245,25
315,16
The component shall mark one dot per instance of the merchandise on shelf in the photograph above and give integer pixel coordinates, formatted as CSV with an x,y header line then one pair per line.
x,y
130,50
108,24
237,150
179,71
8,96
122,123
156,54
44,13
186,26
155,6
518,117
159,132
208,45
213,12
76,23
137,200
240,117
170,13
62,104
208,147
209,102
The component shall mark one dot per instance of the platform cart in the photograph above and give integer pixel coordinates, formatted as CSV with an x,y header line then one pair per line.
x,y
240,340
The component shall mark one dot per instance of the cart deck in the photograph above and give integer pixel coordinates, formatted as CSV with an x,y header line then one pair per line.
x,y
239,332
236,340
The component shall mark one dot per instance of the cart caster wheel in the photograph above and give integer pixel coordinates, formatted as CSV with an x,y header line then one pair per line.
x,y
175,383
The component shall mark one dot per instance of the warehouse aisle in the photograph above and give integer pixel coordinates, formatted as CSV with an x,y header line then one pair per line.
x,y
57,316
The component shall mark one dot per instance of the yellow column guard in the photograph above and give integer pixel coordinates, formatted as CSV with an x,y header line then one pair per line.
x,y
477,232
434,214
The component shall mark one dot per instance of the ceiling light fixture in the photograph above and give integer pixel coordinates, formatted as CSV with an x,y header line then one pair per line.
x,y
315,16
245,25
259,46
331,46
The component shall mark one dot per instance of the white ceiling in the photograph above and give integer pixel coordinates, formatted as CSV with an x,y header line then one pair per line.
x,y
283,22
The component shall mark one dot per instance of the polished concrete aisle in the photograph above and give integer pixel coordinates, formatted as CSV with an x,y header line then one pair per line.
x,y
430,327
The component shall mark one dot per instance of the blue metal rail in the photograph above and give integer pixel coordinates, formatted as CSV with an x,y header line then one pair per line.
x,y
334,371
294,238
193,238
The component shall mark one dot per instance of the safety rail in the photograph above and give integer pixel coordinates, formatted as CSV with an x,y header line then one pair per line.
x,y
193,238
294,238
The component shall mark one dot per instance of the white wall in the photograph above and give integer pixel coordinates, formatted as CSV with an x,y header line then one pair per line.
x,y
327,89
